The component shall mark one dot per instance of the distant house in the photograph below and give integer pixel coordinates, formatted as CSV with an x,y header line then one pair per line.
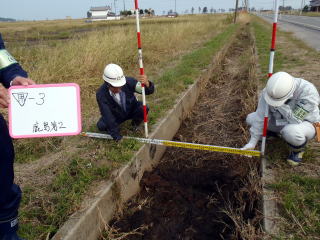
x,y
315,5
101,13
172,14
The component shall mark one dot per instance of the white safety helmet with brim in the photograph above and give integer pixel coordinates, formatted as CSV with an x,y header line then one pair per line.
x,y
279,89
113,75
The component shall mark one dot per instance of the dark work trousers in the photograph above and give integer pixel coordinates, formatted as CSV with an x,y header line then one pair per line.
x,y
136,115
10,193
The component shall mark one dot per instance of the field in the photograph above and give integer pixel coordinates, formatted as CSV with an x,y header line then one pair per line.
x,y
56,174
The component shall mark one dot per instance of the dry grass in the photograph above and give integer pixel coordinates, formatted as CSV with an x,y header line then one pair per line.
x,y
252,190
82,57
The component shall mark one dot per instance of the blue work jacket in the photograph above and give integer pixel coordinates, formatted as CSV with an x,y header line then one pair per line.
x,y
111,112
8,73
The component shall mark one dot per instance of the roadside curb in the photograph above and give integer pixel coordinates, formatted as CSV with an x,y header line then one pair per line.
x,y
90,222
302,24
312,27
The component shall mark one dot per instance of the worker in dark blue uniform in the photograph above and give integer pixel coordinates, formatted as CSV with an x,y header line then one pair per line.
x,y
117,102
11,73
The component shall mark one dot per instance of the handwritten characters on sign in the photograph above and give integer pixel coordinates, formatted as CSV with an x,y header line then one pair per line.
x,y
44,110
51,126
21,98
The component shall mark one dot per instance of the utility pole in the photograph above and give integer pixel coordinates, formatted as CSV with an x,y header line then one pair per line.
x,y
115,8
175,5
302,6
235,12
124,5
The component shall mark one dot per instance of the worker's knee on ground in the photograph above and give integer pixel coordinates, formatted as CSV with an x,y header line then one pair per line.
x,y
251,118
101,125
293,135
139,111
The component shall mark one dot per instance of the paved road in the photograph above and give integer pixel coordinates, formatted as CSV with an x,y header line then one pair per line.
x,y
304,28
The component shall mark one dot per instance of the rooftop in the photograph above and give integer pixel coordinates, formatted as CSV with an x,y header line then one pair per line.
x,y
314,3
104,8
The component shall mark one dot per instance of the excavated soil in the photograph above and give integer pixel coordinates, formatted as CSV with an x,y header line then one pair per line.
x,y
196,194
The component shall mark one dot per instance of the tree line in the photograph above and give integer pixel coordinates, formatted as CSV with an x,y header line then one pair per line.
x,y
148,12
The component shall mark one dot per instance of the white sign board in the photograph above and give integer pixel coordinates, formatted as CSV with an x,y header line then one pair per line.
x,y
44,110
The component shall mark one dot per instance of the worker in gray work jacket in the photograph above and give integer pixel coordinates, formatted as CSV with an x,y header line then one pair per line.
x,y
293,111
117,102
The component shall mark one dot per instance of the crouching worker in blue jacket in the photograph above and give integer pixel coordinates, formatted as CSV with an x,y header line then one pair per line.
x,y
117,102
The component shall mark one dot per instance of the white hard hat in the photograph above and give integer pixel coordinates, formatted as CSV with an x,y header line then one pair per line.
x,y
280,88
113,75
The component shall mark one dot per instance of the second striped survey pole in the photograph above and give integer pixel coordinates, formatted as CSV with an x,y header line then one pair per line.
x,y
270,72
145,116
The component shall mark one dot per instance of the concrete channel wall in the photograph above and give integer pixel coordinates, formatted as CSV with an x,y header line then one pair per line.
x,y
269,203
90,222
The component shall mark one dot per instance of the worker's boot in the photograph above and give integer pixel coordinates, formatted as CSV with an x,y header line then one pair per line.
x,y
271,134
8,229
296,154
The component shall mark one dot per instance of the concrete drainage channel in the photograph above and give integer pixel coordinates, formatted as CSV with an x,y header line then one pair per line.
x,y
187,193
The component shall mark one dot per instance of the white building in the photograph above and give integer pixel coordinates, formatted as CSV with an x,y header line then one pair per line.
x,y
101,13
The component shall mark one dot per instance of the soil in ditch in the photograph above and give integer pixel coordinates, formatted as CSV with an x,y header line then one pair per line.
x,y
203,195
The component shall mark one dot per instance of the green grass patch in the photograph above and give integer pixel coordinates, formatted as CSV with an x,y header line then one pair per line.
x,y
29,150
52,206
177,79
262,32
301,205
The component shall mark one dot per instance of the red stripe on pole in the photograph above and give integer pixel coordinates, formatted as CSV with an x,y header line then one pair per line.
x,y
139,39
274,30
265,126
269,75
145,119
141,68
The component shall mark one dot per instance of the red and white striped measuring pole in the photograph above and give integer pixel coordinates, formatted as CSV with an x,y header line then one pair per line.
x,y
145,117
271,60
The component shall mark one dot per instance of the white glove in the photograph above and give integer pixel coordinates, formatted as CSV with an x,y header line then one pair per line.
x,y
251,144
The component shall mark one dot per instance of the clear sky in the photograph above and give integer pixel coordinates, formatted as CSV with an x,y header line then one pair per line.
x,y
59,9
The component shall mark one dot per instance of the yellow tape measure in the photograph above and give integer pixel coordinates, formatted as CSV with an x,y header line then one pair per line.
x,y
181,144
211,148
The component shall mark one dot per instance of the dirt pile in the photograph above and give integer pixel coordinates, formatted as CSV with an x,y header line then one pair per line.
x,y
197,194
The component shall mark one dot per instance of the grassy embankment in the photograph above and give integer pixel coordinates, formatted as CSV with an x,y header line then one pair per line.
x,y
174,55
298,188
311,14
